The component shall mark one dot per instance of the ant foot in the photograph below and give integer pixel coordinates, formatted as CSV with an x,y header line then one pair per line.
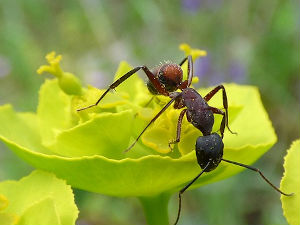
x,y
170,145
173,142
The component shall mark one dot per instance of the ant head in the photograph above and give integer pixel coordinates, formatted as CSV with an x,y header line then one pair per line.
x,y
170,74
209,148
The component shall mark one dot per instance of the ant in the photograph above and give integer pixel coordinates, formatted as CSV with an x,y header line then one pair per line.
x,y
166,80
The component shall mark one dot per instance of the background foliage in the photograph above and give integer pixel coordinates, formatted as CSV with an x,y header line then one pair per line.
x,y
248,42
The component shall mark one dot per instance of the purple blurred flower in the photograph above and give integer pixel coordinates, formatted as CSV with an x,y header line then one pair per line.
x,y
207,72
194,5
191,5
96,78
211,74
237,72
5,67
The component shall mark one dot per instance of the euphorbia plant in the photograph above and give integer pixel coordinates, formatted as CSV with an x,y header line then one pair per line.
x,y
86,148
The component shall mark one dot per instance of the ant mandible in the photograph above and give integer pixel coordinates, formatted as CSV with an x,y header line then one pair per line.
x,y
165,80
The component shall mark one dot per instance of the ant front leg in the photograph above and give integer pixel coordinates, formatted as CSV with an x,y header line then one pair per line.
x,y
178,129
190,72
158,86
225,102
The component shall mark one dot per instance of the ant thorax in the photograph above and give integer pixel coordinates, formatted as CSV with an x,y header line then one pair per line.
x,y
198,111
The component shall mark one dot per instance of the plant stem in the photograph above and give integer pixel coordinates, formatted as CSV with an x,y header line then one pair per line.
x,y
156,209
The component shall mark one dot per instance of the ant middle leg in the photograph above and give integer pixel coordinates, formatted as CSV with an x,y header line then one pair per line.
x,y
179,123
158,86
260,173
223,122
225,102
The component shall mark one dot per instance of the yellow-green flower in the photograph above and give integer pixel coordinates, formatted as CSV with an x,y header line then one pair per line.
x,y
88,153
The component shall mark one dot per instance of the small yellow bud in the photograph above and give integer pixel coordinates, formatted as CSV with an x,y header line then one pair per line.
x,y
195,80
194,52
68,82
53,67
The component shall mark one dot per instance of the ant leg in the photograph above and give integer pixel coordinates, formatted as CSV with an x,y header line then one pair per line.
x,y
219,111
176,95
260,173
178,129
225,102
190,72
158,86
184,189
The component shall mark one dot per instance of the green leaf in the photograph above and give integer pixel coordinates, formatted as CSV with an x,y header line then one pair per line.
x,y
8,219
39,199
44,212
3,202
21,128
94,136
149,175
290,183
53,111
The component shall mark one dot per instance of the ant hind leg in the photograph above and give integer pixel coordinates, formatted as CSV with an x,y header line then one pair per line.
x,y
260,173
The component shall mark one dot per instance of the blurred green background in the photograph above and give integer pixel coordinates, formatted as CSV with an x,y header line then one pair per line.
x,y
248,42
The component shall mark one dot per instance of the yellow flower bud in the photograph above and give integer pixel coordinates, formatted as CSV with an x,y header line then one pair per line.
x,y
194,52
68,82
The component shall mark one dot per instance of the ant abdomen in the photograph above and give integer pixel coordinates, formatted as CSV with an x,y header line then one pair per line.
x,y
209,148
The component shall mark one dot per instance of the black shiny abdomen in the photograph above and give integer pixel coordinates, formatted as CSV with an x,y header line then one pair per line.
x,y
209,148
